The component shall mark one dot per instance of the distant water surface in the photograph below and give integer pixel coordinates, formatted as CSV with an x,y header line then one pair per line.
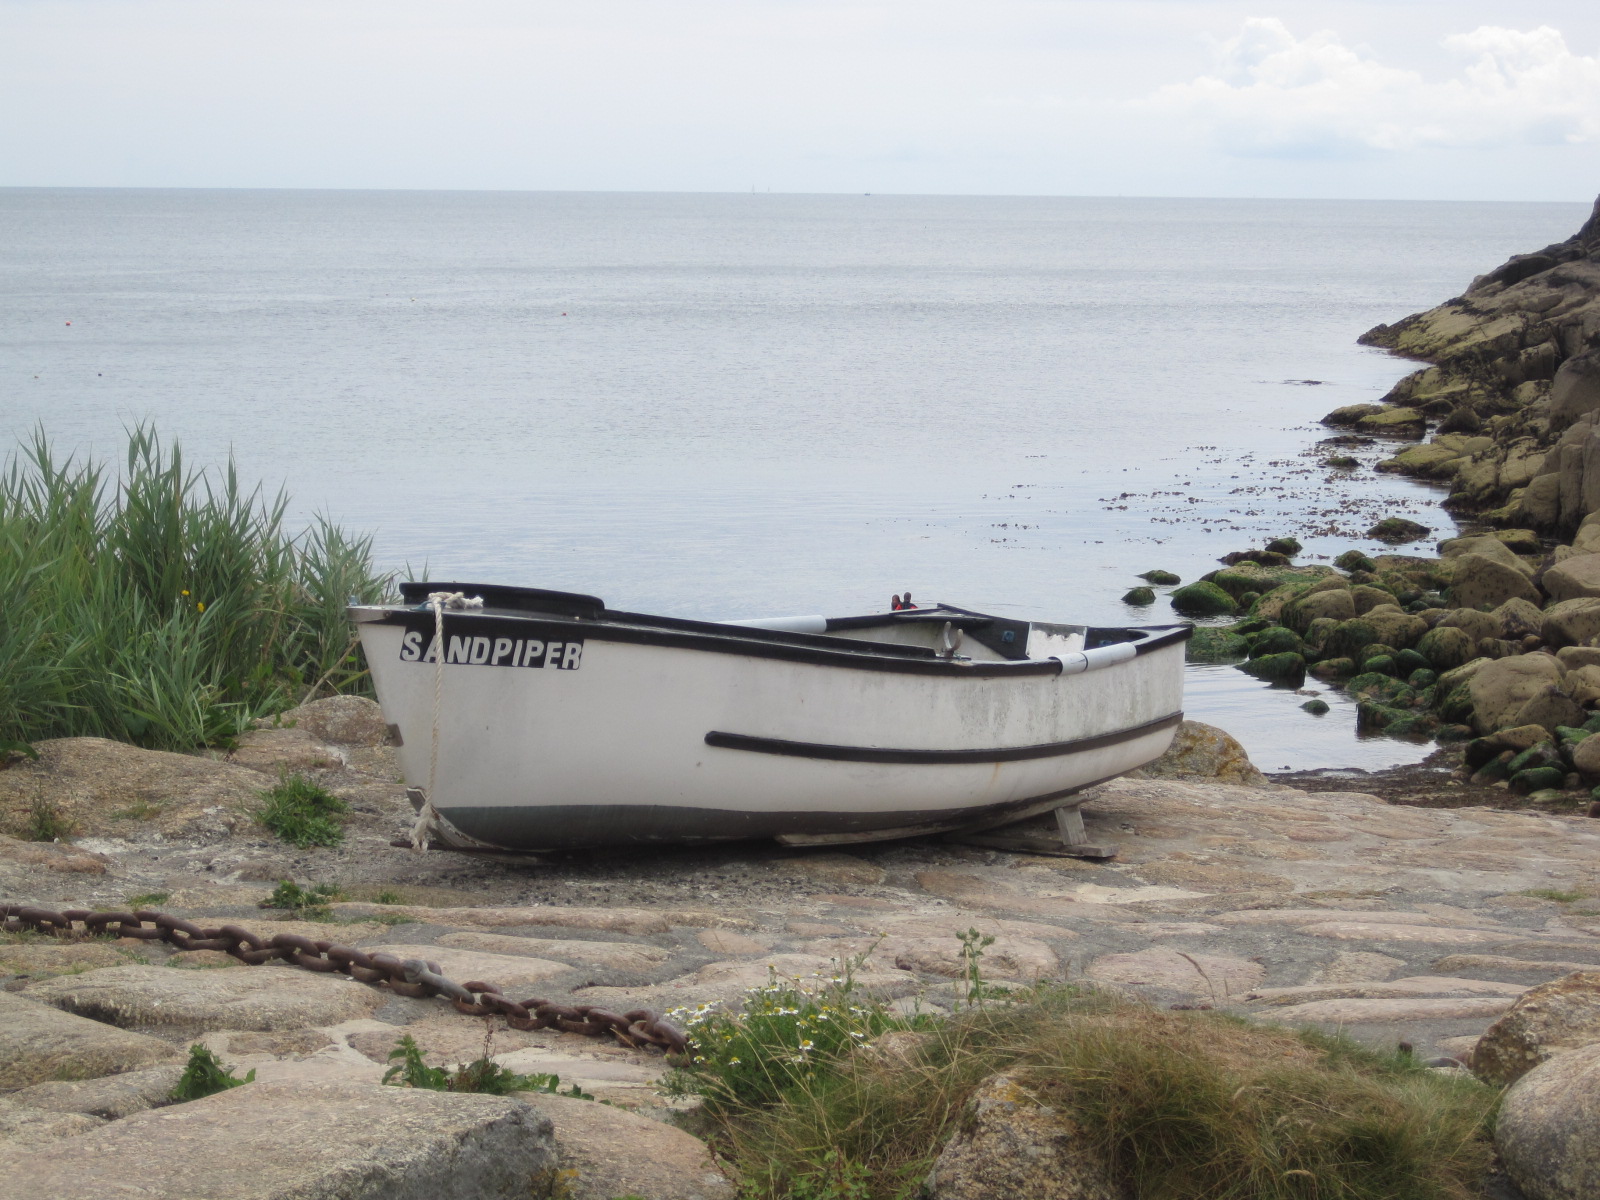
x,y
736,405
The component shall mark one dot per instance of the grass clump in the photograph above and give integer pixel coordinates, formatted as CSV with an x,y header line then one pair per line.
x,y
302,813
162,605
1194,1106
786,1038
148,900
204,1075
1556,894
45,822
482,1075
310,903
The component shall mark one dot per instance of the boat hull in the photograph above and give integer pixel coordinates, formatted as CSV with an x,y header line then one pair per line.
x,y
626,735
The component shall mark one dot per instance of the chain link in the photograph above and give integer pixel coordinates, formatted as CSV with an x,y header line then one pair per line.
x,y
638,1028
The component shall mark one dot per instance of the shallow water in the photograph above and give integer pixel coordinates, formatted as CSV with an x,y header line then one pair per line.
x,y
728,405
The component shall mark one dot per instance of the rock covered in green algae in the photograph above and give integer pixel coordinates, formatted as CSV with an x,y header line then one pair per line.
x,y
1139,596
1203,600
1288,668
1216,646
1397,531
1161,578
1354,560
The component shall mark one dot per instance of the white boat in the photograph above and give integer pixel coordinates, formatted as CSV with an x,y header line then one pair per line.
x,y
554,722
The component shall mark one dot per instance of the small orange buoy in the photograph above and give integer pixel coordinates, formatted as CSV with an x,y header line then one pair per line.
x,y
69,322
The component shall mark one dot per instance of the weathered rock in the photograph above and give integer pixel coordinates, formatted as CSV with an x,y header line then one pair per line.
x,y
1367,597
1202,599
308,1141
1395,422
105,787
188,1002
1215,976
25,1127
1573,657
1548,1130
1010,1143
514,973
40,1043
1551,708
1571,622
1337,604
1288,668
1201,751
52,856
59,958
576,916
607,1152
276,750
626,956
1446,647
1395,627
1554,1017
1476,625
1483,582
114,1097
1575,390
1576,576
1372,1012
1500,689
342,720
1518,619
1485,546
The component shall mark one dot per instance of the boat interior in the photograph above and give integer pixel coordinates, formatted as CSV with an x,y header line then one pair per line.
x,y
930,631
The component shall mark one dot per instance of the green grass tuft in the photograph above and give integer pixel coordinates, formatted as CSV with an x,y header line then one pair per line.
x,y
205,1076
310,902
1177,1104
1561,897
481,1075
45,822
148,899
302,813
166,606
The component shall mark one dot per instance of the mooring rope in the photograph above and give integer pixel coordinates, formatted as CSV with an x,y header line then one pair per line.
x,y
427,814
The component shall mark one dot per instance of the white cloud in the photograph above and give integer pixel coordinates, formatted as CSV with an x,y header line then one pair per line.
x,y
1275,95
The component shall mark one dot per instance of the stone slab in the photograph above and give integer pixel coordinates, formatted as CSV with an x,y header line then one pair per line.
x,y
1394,989
1359,1012
114,1097
620,920
1380,931
40,1043
514,973
302,1141
1217,976
23,1127
186,1002
608,1152
627,956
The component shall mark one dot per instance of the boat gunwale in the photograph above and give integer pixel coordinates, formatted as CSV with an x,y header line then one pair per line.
x,y
814,649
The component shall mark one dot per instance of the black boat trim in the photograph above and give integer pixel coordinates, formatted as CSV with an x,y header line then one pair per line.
x,y
876,754
511,608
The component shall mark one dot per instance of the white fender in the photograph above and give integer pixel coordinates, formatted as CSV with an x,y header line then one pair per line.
x,y
1094,660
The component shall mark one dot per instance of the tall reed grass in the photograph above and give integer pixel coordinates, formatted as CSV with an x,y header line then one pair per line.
x,y
164,605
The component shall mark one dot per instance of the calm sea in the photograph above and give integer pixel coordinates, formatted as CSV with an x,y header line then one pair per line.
x,y
743,405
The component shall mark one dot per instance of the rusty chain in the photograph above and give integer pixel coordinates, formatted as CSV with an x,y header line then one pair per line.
x,y
637,1028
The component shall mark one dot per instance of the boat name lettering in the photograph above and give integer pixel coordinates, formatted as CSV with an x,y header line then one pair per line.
x,y
495,651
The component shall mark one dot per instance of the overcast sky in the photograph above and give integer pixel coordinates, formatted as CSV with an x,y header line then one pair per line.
x,y
1425,99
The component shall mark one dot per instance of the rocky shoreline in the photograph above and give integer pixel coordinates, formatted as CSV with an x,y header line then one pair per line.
x,y
1492,641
